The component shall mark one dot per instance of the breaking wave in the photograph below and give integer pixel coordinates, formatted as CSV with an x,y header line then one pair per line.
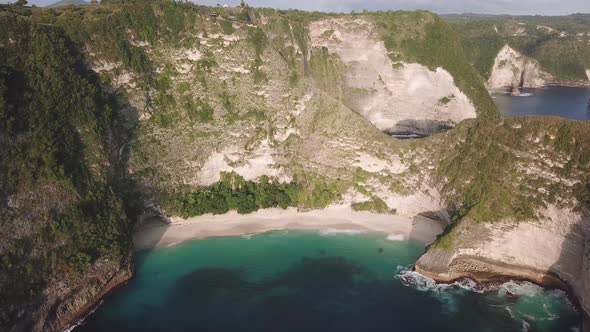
x,y
334,231
422,283
71,327
395,237
528,303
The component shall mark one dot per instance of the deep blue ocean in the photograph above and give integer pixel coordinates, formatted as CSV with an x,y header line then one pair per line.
x,y
571,103
308,281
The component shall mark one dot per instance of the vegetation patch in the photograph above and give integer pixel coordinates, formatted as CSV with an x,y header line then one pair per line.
x,y
56,170
227,27
232,192
484,178
553,41
376,205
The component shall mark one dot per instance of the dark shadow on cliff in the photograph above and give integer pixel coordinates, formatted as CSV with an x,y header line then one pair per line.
x,y
428,226
573,265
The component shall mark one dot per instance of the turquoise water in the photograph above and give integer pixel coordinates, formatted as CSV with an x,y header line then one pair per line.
x,y
571,103
307,281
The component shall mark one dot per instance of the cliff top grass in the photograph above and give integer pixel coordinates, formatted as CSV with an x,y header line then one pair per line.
x,y
510,170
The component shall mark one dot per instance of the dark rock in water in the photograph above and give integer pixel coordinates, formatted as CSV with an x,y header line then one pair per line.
x,y
412,128
380,250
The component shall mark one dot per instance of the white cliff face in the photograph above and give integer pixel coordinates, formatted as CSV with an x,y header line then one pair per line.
x,y
558,245
383,92
512,69
588,74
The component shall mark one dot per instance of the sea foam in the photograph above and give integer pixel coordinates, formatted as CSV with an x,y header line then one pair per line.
x,y
334,231
395,237
71,327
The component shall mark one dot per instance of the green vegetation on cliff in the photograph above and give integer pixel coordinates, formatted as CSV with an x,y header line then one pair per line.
x,y
511,171
376,205
487,178
232,192
561,44
59,210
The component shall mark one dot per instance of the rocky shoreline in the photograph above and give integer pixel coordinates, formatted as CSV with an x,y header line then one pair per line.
x,y
488,272
493,273
64,305
510,90
553,252
568,84
72,318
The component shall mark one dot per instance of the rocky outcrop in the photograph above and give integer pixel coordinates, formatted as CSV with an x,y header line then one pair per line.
x,y
514,70
389,94
552,252
64,302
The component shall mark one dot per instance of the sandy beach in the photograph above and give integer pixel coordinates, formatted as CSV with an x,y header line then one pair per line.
x,y
335,219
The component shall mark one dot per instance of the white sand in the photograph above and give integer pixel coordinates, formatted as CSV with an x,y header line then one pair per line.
x,y
336,219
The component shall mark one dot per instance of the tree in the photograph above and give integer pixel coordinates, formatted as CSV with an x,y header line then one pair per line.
x,y
242,4
21,2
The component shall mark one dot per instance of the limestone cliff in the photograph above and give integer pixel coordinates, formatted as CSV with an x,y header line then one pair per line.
x,y
535,225
389,94
513,70
552,252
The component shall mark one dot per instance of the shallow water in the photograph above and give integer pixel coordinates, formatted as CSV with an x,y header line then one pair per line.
x,y
308,281
571,103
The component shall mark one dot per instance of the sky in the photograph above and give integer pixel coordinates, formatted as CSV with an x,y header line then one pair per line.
x,y
514,7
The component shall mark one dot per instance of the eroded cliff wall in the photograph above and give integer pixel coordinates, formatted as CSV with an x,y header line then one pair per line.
x,y
531,221
513,70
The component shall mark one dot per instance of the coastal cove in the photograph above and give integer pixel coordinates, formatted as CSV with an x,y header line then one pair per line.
x,y
172,166
511,306
326,280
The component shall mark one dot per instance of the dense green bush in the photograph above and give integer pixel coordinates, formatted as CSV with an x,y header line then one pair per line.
x,y
56,129
259,42
375,204
232,192
198,109
227,27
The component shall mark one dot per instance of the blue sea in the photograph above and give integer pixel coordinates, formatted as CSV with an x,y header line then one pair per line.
x,y
308,281
571,103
